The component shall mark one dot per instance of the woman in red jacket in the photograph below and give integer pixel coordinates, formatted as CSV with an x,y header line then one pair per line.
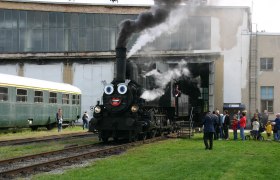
x,y
234,127
242,123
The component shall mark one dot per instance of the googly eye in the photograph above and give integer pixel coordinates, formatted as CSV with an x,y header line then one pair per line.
x,y
122,88
109,89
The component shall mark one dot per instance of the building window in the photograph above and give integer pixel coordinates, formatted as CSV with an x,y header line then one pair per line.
x,y
266,64
267,96
75,99
42,31
38,98
3,94
53,97
21,95
65,98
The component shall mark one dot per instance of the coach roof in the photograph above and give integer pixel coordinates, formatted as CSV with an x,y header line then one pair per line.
x,y
24,82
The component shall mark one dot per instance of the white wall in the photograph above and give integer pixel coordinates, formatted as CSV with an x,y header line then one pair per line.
x,y
49,72
88,78
9,69
236,58
236,66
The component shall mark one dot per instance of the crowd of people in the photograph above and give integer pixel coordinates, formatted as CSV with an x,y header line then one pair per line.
x,y
216,126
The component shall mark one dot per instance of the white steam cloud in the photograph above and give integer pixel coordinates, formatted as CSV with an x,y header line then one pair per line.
x,y
162,79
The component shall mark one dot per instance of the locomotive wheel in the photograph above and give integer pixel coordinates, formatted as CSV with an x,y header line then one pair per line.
x,y
105,136
152,134
159,133
135,138
143,136
105,139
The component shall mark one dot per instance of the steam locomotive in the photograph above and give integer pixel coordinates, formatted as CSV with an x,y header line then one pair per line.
x,y
124,114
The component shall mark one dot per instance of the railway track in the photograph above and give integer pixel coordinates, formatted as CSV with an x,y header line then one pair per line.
x,y
44,139
44,162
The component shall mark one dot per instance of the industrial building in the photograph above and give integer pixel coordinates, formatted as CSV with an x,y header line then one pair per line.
x,y
264,70
75,44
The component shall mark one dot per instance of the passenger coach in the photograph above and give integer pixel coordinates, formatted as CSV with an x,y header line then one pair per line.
x,y
27,102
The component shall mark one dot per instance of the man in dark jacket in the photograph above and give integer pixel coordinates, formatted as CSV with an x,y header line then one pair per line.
x,y
226,125
208,123
216,125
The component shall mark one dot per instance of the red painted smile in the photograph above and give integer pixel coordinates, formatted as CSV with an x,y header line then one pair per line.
x,y
115,101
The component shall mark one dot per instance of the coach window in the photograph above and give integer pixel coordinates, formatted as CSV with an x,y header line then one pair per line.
x,y
75,99
53,97
21,95
65,99
38,98
3,94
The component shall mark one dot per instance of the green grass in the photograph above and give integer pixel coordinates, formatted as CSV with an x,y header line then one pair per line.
x,y
35,148
184,159
28,133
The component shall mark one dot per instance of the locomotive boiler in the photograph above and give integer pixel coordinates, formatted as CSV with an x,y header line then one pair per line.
x,y
124,114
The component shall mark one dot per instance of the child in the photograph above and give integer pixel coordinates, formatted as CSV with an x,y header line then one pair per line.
x,y
268,128
234,127
256,126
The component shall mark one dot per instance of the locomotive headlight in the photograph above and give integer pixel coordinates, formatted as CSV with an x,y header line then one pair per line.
x,y
97,109
134,108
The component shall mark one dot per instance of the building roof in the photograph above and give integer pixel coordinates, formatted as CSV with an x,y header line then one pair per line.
x,y
73,2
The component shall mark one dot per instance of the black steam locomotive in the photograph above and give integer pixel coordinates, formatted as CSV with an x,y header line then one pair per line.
x,y
124,114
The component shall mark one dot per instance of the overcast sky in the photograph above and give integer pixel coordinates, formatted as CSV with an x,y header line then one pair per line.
x,y
265,12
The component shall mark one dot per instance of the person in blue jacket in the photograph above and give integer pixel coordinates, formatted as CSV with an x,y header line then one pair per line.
x,y
277,126
209,122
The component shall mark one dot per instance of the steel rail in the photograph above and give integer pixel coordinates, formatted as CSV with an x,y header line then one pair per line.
x,y
44,138
65,161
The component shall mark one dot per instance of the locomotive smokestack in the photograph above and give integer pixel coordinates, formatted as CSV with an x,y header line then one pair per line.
x,y
121,64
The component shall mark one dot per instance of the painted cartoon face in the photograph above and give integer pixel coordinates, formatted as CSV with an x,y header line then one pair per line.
x,y
121,89
117,96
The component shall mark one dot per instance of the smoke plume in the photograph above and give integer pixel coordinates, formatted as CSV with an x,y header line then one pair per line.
x,y
150,34
157,14
162,79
